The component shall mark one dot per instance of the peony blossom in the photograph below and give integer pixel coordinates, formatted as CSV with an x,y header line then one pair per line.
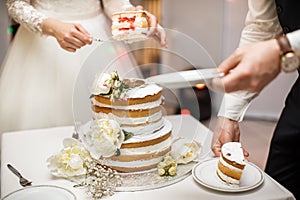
x,y
70,161
104,138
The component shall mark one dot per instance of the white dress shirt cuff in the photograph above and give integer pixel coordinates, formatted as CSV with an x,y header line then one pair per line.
x,y
294,39
234,105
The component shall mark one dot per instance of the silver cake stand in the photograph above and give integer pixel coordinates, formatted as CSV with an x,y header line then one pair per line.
x,y
148,180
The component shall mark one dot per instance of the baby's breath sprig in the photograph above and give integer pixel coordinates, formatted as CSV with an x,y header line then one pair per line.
x,y
100,180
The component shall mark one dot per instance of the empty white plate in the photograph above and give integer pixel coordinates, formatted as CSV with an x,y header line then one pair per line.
x,y
41,192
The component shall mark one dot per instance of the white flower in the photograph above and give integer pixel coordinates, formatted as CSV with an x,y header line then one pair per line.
x,y
167,167
69,162
117,84
161,171
184,151
172,171
114,75
102,84
104,138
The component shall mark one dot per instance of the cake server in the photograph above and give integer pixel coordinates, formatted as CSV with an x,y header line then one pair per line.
x,y
98,40
183,79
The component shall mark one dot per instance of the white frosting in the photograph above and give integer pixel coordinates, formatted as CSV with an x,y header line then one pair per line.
x,y
228,179
117,26
140,21
142,106
228,165
143,91
134,121
146,137
132,164
148,126
233,151
131,35
148,149
144,129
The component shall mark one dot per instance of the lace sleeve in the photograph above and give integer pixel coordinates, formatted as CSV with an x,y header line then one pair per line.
x,y
25,14
112,6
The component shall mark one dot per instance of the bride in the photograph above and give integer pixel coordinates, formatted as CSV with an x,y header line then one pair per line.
x,y
45,57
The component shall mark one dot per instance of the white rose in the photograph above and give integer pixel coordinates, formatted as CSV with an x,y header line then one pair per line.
x,y
101,84
167,166
104,138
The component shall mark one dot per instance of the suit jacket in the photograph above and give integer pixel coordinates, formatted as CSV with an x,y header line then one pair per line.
x,y
288,14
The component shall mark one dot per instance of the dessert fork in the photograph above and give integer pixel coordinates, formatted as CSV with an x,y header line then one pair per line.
x,y
23,181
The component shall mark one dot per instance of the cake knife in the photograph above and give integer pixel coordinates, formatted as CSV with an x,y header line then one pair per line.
x,y
183,79
97,40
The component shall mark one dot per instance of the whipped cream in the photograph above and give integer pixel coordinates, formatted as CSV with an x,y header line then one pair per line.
x,y
233,151
130,120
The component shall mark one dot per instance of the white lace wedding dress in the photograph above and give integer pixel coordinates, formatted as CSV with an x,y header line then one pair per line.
x,y
38,76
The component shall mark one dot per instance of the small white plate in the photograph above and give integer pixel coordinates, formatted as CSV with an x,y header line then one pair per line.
x,y
205,174
187,78
41,192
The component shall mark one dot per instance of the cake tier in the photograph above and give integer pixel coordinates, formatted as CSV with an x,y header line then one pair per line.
x,y
130,103
121,113
139,95
142,152
134,121
140,113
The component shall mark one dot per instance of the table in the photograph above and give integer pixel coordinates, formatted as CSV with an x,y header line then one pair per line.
x,y
28,151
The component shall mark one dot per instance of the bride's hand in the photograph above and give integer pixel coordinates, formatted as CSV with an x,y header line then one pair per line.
x,y
69,36
155,29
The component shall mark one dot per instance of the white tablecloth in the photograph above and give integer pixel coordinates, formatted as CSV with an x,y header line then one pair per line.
x,y
28,151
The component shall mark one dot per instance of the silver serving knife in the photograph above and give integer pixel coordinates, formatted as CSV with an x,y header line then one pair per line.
x,y
183,79
98,40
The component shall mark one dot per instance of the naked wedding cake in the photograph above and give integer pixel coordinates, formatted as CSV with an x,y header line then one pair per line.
x,y
129,26
231,163
129,113
127,133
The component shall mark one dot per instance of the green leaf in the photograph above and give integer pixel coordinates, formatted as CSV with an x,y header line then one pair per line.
x,y
118,152
92,96
127,135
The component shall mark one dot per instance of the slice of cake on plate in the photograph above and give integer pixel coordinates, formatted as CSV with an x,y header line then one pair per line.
x,y
231,163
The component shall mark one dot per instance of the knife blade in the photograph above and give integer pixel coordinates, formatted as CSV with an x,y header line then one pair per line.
x,y
183,79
